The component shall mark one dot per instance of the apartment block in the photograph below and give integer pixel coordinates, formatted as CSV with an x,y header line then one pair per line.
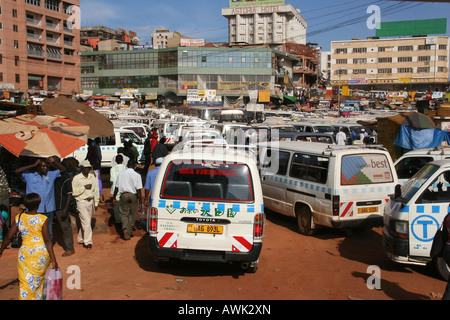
x,y
39,46
269,24
391,63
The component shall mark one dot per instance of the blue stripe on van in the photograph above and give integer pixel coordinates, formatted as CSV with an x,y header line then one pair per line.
x,y
162,204
206,207
177,205
191,206
250,208
236,208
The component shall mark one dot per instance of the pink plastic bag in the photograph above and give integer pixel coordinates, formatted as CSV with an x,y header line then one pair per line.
x,y
53,285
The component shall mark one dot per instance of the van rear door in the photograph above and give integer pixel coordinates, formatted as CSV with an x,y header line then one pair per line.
x,y
366,180
207,206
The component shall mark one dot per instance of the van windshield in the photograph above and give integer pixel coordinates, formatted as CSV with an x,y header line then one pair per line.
x,y
208,181
365,169
417,181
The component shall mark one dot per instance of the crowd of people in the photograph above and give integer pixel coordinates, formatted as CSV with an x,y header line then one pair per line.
x,y
57,189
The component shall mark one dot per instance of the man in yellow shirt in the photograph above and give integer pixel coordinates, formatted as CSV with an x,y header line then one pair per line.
x,y
86,192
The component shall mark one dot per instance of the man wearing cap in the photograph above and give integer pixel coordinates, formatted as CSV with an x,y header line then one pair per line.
x,y
150,180
86,192
129,185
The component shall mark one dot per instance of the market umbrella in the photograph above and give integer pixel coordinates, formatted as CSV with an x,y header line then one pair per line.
x,y
417,120
42,136
99,125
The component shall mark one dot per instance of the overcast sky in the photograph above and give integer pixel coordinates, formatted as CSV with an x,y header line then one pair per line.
x,y
327,20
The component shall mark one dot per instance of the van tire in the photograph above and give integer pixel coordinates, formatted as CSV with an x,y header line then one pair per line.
x,y
441,267
304,220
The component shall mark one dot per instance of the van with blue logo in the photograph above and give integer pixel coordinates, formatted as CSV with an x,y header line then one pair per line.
x,y
207,205
414,214
326,185
411,162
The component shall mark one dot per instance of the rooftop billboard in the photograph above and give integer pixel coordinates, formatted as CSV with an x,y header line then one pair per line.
x,y
412,28
248,3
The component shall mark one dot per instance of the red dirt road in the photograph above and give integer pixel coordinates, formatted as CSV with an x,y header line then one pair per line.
x,y
329,266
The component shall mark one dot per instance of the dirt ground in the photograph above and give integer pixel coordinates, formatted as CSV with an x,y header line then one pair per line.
x,y
332,265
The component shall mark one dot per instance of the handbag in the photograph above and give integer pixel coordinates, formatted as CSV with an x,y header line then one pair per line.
x,y
53,284
439,241
16,241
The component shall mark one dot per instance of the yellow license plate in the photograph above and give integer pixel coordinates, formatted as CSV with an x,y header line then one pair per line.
x,y
200,228
367,210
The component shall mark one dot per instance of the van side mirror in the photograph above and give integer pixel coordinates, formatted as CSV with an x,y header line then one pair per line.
x,y
398,191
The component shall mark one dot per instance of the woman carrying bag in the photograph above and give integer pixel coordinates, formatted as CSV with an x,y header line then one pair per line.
x,y
36,251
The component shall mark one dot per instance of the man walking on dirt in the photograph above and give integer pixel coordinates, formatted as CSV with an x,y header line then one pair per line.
x,y
129,185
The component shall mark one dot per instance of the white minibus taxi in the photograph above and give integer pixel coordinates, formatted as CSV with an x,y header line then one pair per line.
x,y
326,185
414,214
411,162
207,205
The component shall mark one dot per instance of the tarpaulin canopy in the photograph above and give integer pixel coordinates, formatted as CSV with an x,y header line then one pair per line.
x,y
413,139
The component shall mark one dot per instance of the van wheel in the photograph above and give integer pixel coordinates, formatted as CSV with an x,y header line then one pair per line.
x,y
304,220
441,267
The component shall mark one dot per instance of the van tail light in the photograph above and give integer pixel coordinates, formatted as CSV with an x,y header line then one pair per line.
x,y
260,220
152,219
336,205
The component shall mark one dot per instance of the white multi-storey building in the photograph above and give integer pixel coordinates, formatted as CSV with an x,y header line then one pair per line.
x,y
391,63
265,24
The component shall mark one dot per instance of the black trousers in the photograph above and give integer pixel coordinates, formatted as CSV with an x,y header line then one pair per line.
x,y
66,228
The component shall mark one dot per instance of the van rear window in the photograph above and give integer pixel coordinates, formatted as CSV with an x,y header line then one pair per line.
x,y
208,181
365,169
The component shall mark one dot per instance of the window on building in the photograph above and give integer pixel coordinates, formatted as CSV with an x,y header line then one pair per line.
x,y
405,70
404,59
385,70
359,50
425,47
341,51
423,69
341,61
424,58
17,78
442,47
405,48
359,61
384,60
359,71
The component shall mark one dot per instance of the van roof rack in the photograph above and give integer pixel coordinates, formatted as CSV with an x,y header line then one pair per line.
x,y
332,148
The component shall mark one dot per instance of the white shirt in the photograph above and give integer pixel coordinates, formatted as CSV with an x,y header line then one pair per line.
x,y
128,181
340,138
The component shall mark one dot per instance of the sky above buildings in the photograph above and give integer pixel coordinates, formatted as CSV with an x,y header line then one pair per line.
x,y
328,20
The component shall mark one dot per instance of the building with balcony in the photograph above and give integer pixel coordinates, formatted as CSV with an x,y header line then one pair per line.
x,y
39,47
169,74
414,63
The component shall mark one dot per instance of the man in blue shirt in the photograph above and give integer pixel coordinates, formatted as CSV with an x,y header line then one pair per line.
x,y
150,181
42,182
